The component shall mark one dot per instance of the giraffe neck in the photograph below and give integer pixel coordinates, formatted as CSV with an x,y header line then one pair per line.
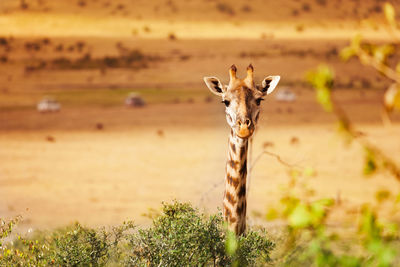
x,y
235,185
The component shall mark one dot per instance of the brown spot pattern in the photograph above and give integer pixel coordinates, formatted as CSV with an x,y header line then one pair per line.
x,y
235,193
230,198
233,147
242,152
235,182
243,169
242,191
233,164
229,178
241,208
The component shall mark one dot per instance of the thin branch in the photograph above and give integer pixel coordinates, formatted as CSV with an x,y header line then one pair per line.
x,y
203,196
393,32
280,160
379,66
387,162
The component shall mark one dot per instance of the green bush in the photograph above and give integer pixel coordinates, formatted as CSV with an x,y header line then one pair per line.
x,y
78,245
71,246
180,236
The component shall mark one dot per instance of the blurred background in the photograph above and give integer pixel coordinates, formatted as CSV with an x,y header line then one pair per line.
x,y
104,113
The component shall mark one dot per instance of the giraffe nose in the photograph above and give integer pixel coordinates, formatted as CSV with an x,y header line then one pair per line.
x,y
244,128
245,122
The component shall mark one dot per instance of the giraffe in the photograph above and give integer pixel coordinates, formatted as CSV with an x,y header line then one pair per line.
x,y
242,99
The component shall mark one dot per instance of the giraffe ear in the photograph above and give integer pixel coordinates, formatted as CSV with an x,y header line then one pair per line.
x,y
214,85
268,84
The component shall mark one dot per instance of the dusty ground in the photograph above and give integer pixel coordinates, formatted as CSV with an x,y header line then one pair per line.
x,y
58,168
165,151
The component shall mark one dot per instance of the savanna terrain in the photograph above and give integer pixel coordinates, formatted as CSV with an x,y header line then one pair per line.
x,y
100,162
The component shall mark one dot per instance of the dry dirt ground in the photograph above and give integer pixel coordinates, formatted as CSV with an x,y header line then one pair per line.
x,y
58,168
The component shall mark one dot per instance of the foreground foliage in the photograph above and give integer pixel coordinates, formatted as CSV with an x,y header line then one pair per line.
x,y
180,236
372,239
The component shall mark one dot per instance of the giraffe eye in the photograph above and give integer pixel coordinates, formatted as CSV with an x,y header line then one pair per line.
x,y
226,102
258,101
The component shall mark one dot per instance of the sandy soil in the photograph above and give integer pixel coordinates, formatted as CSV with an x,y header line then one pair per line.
x,y
166,151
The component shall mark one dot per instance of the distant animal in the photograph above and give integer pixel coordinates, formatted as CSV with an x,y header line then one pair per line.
x,y
242,100
285,95
48,104
134,100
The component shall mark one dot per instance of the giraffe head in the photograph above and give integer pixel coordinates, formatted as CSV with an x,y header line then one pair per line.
x,y
242,99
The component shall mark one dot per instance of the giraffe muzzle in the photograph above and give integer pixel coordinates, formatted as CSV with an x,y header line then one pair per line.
x,y
245,128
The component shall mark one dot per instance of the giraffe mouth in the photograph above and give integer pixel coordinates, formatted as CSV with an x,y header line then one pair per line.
x,y
244,132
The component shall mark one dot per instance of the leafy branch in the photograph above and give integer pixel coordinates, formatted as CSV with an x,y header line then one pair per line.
x,y
322,80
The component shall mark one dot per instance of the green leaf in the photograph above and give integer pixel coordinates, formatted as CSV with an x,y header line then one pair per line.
x,y
324,98
390,14
349,261
322,77
356,42
397,198
387,256
300,216
318,209
272,214
370,165
382,195
368,223
347,53
322,80
382,52
309,171
231,244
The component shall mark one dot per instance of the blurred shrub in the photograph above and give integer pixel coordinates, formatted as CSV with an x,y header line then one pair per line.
x,y
246,8
321,2
3,41
310,241
133,59
81,3
23,4
225,8
371,240
32,46
3,59
306,7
